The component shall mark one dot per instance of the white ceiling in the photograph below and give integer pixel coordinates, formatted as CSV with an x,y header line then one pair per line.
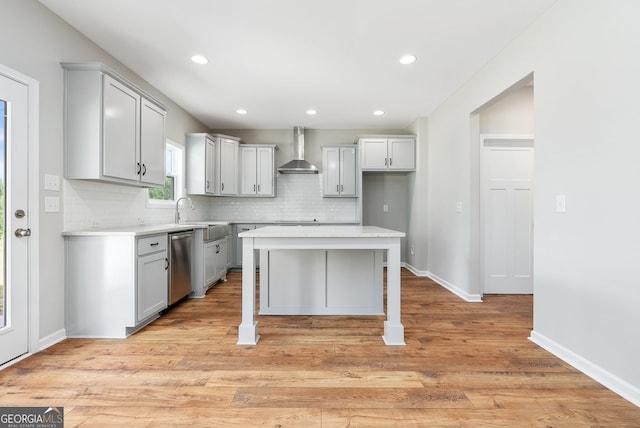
x,y
279,58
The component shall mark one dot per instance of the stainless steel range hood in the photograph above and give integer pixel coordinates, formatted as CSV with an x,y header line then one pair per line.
x,y
298,165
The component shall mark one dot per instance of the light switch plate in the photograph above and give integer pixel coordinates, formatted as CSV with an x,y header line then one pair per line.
x,y
52,182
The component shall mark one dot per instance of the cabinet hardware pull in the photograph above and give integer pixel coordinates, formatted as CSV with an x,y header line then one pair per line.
x,y
208,184
155,244
222,186
389,161
337,187
144,170
254,187
139,169
342,187
166,263
385,161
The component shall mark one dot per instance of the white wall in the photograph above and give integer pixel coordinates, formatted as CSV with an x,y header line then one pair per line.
x,y
33,41
585,63
511,114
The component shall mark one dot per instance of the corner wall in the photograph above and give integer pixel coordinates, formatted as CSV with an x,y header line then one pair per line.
x,y
586,110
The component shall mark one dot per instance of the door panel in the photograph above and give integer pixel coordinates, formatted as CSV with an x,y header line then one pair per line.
x,y
14,175
508,219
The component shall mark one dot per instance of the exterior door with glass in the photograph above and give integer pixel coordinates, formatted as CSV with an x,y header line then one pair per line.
x,y
14,218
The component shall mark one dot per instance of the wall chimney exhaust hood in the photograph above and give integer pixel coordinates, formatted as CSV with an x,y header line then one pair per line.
x,y
298,165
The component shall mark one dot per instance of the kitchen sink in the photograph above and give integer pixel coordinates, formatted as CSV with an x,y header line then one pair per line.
x,y
216,231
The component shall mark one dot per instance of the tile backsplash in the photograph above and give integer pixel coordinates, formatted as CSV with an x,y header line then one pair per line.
x,y
299,198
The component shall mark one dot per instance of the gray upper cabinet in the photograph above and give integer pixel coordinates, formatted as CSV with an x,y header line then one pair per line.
x,y
339,170
228,165
257,170
212,164
388,153
114,132
201,169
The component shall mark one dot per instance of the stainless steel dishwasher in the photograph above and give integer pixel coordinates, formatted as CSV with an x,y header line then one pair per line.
x,y
180,247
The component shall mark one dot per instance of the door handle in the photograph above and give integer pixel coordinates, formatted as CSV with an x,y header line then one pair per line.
x,y
21,233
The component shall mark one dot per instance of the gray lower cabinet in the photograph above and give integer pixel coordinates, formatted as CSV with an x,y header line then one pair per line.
x,y
215,256
116,284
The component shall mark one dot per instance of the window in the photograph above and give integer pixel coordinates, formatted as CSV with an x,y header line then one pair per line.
x,y
173,182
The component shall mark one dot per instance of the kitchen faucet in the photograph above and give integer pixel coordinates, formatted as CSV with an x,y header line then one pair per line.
x,y
178,207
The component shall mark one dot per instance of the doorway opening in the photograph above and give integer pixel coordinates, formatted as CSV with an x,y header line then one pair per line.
x,y
502,165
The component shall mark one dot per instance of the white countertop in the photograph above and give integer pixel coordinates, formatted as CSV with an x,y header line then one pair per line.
x,y
321,232
139,230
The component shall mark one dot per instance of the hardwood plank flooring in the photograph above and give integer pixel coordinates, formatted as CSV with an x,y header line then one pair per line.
x,y
465,365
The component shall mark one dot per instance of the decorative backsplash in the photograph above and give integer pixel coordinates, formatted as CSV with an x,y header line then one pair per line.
x,y
299,198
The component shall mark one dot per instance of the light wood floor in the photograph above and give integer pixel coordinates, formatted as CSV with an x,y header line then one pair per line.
x,y
465,365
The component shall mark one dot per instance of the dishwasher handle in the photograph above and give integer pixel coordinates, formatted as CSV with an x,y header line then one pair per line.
x,y
176,236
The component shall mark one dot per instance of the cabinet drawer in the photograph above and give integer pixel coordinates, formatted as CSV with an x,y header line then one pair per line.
x,y
151,244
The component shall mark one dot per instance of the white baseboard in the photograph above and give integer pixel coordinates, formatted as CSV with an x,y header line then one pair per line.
x,y
597,373
52,339
415,271
472,298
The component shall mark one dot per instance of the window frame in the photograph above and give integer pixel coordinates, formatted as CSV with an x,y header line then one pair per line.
x,y
178,168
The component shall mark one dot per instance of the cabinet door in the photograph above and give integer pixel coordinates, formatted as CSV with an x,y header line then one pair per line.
x,y
265,171
121,107
348,171
221,258
248,182
209,262
331,171
373,153
209,167
152,285
402,153
152,143
228,166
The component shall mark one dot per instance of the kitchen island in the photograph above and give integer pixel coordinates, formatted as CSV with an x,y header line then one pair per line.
x,y
333,241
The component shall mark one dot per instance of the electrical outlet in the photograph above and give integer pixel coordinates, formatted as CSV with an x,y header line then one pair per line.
x,y
385,208
411,250
561,203
52,204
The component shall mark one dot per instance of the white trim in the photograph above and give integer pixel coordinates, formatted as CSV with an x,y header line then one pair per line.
x,y
471,298
33,89
52,339
413,270
597,373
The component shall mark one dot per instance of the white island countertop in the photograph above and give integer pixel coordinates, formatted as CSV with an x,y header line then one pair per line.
x,y
322,231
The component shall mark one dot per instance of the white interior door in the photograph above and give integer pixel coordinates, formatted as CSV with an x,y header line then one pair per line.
x,y
507,198
14,218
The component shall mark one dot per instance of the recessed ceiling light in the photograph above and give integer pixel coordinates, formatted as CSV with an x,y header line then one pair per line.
x,y
311,112
408,59
378,112
199,59
241,111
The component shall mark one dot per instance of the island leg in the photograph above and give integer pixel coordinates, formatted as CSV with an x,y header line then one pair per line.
x,y
248,329
393,328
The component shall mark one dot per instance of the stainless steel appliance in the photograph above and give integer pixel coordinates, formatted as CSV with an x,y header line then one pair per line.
x,y
180,247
